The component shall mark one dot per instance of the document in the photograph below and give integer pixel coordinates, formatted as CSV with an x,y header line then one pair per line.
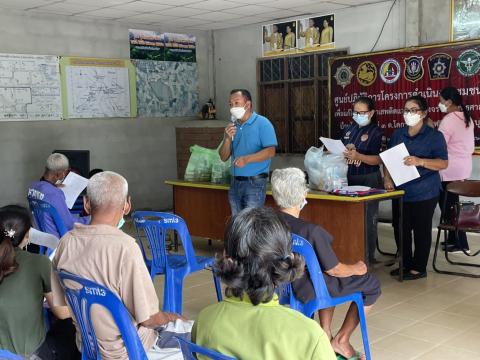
x,y
393,160
334,146
43,239
73,185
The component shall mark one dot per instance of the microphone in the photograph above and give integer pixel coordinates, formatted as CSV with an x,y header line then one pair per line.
x,y
233,119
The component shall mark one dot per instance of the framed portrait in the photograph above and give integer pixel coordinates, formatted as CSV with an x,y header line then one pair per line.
x,y
316,33
279,38
465,20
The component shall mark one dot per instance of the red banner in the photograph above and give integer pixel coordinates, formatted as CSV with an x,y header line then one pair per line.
x,y
391,77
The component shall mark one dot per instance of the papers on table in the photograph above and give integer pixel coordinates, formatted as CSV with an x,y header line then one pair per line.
x,y
73,185
393,160
334,146
355,188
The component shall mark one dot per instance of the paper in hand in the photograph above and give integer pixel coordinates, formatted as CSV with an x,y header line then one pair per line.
x,y
72,187
334,146
393,160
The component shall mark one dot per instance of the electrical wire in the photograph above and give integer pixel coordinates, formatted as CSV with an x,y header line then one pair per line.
x,y
384,23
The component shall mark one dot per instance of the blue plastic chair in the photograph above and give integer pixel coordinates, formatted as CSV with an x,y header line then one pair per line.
x,y
41,209
81,301
189,350
322,299
7,355
175,267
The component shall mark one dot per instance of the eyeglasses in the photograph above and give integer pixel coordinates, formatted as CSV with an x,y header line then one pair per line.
x,y
360,112
411,111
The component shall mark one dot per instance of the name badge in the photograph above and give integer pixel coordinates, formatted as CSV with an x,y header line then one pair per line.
x,y
364,137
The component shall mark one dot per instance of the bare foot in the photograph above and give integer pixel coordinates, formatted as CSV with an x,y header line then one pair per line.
x,y
344,348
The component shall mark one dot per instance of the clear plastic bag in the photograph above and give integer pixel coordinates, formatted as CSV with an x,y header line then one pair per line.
x,y
326,172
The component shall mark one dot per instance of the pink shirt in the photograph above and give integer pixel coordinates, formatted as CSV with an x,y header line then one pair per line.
x,y
460,145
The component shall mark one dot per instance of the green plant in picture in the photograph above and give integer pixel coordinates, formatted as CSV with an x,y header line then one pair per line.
x,y
175,55
146,54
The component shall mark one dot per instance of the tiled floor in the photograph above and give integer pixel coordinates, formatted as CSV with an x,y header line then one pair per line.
x,y
433,318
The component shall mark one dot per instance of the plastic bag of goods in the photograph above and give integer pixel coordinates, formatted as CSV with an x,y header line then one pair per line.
x,y
334,172
220,170
312,162
199,166
326,172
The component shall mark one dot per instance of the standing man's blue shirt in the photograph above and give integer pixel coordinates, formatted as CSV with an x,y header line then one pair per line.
x,y
43,190
253,135
429,143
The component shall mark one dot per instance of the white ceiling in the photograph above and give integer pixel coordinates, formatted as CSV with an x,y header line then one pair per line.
x,y
189,14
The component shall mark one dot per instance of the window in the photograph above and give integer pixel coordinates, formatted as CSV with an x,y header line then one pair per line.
x,y
293,94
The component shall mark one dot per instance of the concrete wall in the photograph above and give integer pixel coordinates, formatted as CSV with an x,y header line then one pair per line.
x,y
434,26
357,28
141,149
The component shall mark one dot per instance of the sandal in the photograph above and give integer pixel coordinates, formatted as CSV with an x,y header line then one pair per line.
x,y
358,355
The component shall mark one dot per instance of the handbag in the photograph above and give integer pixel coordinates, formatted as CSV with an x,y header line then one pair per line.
x,y
466,215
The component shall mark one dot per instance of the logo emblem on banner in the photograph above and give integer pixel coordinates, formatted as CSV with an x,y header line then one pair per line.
x,y
413,68
468,62
390,71
366,73
439,66
343,75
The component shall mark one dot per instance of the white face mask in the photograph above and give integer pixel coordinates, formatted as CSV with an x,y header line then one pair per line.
x,y
443,108
412,119
302,205
238,112
361,120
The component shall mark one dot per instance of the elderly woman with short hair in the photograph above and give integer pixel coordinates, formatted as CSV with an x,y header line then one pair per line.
x,y
289,190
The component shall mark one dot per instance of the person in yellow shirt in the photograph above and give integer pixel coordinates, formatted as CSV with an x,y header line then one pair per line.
x,y
327,33
289,41
250,323
275,40
311,35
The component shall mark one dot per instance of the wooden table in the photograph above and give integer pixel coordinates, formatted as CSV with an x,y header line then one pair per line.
x,y
206,209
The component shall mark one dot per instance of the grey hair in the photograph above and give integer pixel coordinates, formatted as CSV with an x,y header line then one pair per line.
x,y
107,189
57,162
288,187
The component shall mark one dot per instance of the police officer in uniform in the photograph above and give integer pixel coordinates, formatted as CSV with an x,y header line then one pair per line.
x,y
363,140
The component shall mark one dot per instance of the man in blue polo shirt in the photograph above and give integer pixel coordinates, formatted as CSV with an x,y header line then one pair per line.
x,y
250,140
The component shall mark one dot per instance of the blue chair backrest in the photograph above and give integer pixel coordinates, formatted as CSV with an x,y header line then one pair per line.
x,y
7,355
189,350
41,210
155,226
81,300
322,296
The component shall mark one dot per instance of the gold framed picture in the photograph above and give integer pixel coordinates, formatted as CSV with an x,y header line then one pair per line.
x,y
464,19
